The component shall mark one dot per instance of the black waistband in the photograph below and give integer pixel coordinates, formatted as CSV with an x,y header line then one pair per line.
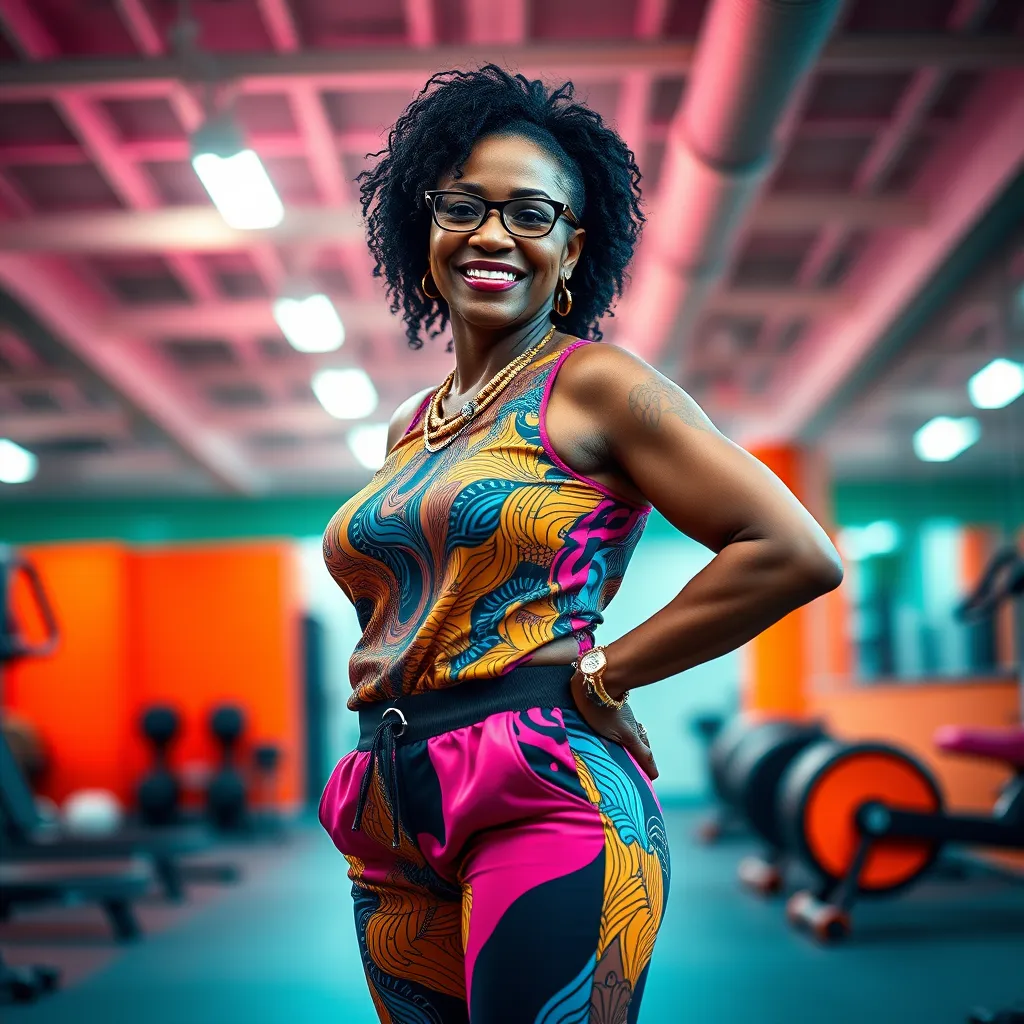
x,y
439,711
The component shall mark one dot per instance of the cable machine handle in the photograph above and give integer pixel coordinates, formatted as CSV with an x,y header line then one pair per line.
x,y
1004,578
11,644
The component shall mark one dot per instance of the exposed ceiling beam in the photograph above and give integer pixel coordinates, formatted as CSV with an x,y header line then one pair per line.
x,y
141,26
796,302
633,116
969,172
299,418
145,463
360,141
61,302
886,148
51,295
144,31
373,68
98,137
191,115
489,23
280,23
753,63
242,317
28,427
202,229
37,377
804,210
255,316
13,202
420,23
320,148
172,229
180,150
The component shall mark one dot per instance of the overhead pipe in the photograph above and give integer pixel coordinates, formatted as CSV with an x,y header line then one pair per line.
x,y
752,57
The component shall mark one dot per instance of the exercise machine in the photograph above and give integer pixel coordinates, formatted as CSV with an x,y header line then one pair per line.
x,y
751,785
868,819
114,886
727,737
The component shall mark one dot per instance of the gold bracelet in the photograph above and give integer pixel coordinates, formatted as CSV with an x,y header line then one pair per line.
x,y
595,687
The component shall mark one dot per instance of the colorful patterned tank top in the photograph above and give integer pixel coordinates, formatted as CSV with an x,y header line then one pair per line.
x,y
463,562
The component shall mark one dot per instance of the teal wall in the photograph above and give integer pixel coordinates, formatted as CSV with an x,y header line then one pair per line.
x,y
152,520
984,502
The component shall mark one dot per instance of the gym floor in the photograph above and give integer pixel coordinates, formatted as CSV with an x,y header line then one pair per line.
x,y
281,947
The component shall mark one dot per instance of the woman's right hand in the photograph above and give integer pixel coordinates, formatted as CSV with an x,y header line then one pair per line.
x,y
619,726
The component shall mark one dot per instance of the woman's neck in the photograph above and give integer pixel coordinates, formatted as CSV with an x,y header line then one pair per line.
x,y
479,355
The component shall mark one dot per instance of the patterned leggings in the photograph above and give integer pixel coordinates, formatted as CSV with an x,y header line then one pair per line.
x,y
529,881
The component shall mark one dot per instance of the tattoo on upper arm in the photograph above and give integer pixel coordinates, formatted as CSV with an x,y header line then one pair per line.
x,y
653,400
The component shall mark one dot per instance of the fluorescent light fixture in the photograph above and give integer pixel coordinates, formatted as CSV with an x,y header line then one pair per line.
x,y
368,442
310,322
881,537
996,385
234,176
345,394
878,538
944,438
17,466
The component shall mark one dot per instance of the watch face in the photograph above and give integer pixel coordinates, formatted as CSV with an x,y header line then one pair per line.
x,y
592,661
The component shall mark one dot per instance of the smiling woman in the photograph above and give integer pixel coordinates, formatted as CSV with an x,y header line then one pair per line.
x,y
505,844
585,170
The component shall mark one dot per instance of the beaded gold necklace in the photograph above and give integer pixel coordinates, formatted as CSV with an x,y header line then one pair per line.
x,y
439,431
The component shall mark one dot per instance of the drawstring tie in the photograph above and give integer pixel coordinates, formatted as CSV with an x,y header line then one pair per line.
x,y
382,755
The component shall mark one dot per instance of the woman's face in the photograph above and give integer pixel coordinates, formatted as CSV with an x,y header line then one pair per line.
x,y
504,167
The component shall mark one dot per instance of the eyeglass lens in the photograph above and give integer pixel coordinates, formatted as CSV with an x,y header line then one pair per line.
x,y
521,216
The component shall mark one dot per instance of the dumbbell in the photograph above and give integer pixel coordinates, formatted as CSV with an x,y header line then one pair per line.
x,y
226,792
159,793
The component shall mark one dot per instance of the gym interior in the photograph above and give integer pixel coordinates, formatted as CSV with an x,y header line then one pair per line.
x,y
833,267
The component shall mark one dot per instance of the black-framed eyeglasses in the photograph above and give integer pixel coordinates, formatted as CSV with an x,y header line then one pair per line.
x,y
532,217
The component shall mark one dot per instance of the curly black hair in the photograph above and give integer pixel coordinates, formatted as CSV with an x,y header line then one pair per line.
x,y
435,135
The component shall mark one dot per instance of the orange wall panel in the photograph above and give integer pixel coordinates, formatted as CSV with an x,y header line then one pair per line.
x,y
780,661
79,698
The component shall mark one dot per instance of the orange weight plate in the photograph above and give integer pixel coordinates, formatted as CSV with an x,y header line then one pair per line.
x,y
829,817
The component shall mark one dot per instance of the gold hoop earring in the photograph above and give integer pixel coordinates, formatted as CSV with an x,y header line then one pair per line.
x,y
562,293
423,287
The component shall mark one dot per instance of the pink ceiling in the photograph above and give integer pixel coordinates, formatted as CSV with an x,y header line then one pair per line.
x,y
163,367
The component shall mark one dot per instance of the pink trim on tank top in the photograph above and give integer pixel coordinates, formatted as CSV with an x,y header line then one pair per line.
x,y
546,441
419,414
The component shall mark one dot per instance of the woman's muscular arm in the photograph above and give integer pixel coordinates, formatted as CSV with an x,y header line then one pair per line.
x,y
771,556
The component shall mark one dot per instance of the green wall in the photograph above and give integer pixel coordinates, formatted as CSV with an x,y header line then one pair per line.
x,y
153,520
996,502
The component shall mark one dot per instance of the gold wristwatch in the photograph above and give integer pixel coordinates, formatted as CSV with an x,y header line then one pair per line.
x,y
592,664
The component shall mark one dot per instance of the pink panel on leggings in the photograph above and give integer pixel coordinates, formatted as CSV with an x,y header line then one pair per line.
x,y
486,786
532,854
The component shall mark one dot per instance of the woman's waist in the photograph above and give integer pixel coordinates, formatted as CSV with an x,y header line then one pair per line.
x,y
426,660
421,715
